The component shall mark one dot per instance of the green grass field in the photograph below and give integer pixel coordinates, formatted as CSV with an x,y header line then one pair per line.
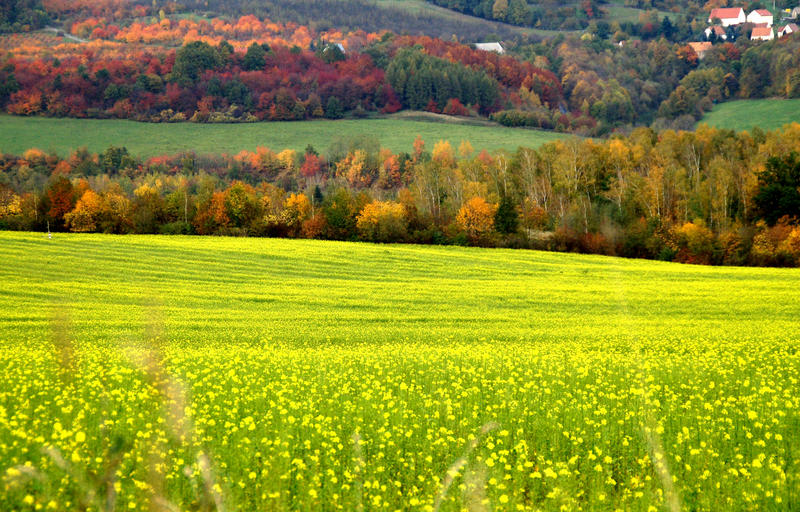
x,y
145,139
261,374
427,8
745,114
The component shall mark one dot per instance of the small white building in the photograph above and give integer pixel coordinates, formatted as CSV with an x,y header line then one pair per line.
x,y
791,28
490,47
762,34
760,16
795,13
728,16
718,31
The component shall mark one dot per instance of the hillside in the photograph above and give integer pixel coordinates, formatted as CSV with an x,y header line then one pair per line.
x,y
147,139
238,61
415,17
767,114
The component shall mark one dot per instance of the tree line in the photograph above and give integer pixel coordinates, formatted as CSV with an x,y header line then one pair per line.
x,y
710,196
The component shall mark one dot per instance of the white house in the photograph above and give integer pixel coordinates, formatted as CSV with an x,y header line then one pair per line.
x,y
490,47
760,16
791,28
718,31
795,13
728,16
762,34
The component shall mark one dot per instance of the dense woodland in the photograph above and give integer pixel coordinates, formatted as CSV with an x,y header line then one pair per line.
x,y
206,83
657,81
22,15
711,196
161,68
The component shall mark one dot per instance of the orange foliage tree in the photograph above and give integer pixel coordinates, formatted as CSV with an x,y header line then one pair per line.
x,y
476,217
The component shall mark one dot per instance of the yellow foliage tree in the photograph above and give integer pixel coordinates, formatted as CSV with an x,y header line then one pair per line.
x,y
86,214
695,242
443,154
352,168
10,204
287,158
382,221
791,245
476,217
465,149
297,209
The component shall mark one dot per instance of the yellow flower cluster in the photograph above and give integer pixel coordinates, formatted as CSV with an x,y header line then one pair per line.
x,y
382,426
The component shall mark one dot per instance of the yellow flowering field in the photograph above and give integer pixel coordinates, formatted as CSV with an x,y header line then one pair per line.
x,y
197,373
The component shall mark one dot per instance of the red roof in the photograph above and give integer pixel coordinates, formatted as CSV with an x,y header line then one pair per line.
x,y
763,12
700,47
761,32
718,30
726,13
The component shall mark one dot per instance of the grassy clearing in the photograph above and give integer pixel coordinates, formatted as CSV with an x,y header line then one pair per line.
x,y
64,135
426,8
303,375
742,115
619,12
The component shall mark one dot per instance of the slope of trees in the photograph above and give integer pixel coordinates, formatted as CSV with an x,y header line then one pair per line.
x,y
648,81
248,68
222,83
711,197
359,15
419,79
21,15
198,82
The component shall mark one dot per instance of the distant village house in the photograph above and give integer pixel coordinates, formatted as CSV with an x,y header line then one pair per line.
x,y
760,16
760,19
791,28
762,34
728,16
700,48
491,47
717,31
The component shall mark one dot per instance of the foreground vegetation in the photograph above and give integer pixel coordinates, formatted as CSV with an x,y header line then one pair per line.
x,y
744,115
246,374
63,136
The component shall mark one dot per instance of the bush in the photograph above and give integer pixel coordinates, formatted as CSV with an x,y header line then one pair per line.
x,y
382,221
176,228
539,118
